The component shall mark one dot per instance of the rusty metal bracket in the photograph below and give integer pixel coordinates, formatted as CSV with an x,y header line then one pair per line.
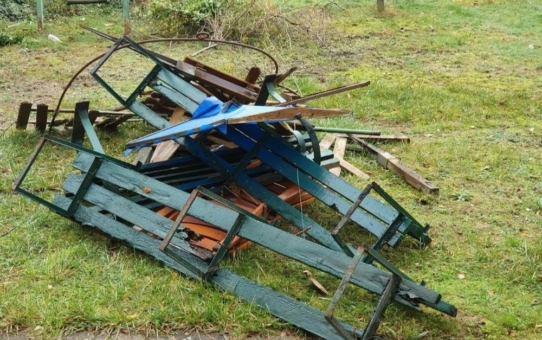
x,y
339,293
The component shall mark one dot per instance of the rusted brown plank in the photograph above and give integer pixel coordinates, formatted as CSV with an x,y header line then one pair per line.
x,y
41,117
22,117
325,93
213,81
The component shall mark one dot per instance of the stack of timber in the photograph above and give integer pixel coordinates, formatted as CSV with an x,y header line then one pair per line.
x,y
222,180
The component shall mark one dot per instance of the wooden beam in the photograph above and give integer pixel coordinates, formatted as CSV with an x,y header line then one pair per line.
x,y
41,117
167,149
352,169
389,161
22,117
290,113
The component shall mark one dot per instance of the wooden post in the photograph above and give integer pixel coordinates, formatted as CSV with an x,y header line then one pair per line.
x,y
22,117
380,5
126,15
39,4
41,117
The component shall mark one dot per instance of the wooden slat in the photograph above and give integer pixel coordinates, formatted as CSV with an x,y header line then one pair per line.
x,y
167,149
340,147
338,151
389,161
352,169
327,141
312,254
274,302
334,183
143,155
325,144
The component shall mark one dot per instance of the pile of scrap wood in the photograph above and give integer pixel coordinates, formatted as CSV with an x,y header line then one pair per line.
x,y
219,175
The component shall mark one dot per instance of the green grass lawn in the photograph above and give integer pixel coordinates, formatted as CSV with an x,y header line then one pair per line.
x,y
462,78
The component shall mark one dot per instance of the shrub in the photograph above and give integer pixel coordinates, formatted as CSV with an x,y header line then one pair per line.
x,y
9,39
15,9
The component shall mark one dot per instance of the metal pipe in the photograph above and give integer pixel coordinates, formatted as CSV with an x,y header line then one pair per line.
x,y
339,130
39,5
126,15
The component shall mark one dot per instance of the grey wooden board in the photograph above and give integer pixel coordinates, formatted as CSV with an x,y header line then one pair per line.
x,y
312,254
279,305
149,115
176,97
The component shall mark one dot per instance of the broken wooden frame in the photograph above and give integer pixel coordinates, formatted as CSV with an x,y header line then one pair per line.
x,y
100,183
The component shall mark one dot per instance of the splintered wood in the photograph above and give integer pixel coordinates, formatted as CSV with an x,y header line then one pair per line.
x,y
388,161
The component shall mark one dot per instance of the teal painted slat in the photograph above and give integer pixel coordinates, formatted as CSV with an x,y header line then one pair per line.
x,y
329,197
176,97
312,254
335,183
149,115
298,219
181,86
279,305
125,209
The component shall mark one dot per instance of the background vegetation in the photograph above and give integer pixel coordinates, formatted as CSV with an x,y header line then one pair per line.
x,y
460,77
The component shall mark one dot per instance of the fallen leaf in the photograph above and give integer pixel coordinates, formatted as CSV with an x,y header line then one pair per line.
x,y
315,282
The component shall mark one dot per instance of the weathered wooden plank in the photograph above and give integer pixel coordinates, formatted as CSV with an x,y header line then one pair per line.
x,y
352,169
411,177
164,151
176,97
309,253
125,209
143,155
389,161
24,114
214,82
327,141
340,147
149,115
167,149
181,85
325,144
279,305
